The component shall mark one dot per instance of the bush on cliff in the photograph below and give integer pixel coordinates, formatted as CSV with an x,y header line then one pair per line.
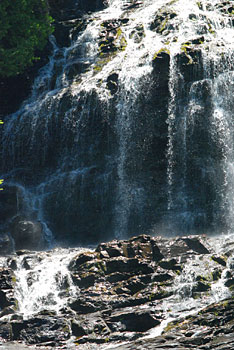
x,y
24,27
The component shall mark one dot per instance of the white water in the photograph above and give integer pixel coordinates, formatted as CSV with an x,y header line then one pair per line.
x,y
133,65
40,287
43,281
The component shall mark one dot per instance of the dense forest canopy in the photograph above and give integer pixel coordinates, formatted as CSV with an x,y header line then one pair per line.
x,y
24,27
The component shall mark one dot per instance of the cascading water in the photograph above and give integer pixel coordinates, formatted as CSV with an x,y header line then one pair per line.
x,y
83,148
127,130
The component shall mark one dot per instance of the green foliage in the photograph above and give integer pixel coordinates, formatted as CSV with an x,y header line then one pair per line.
x,y
24,27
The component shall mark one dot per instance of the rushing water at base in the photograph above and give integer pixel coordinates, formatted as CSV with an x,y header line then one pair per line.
x,y
44,284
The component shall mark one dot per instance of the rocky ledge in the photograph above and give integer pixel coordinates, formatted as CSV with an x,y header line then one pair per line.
x,y
124,291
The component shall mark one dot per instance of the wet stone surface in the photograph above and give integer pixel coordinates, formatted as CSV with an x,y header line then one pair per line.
x,y
121,291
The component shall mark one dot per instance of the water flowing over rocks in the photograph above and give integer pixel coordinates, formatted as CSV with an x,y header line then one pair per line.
x,y
124,290
125,131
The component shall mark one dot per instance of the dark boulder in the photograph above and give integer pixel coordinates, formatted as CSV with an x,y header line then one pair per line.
x,y
6,244
112,83
27,234
138,321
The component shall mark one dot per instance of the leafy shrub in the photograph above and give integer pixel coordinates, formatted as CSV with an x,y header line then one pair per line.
x,y
24,27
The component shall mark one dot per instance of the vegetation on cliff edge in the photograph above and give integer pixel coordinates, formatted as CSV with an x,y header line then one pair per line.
x,y
24,27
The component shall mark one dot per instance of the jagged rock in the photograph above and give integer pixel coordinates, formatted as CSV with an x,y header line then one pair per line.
x,y
161,277
41,330
5,331
117,276
133,321
7,299
112,83
201,287
229,276
90,324
162,22
80,260
7,279
170,265
85,280
84,306
127,265
138,33
182,247
220,260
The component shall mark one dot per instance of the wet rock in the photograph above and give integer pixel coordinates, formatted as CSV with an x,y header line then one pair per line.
x,y
8,199
169,264
196,245
77,329
112,83
161,61
41,330
220,260
91,324
162,22
182,247
156,254
80,260
104,254
161,277
5,331
23,252
7,311
27,234
140,321
7,299
117,295
138,33
134,285
127,265
201,287
117,276
12,263
190,63
85,280
128,250
229,277
83,306
7,279
6,244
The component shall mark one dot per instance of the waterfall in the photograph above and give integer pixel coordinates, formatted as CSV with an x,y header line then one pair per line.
x,y
128,129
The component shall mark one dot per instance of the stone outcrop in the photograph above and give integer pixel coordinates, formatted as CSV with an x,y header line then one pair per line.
x,y
121,288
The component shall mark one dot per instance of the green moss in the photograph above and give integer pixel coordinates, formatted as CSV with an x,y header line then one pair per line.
x,y
164,49
210,28
119,44
170,326
101,62
163,25
184,49
16,306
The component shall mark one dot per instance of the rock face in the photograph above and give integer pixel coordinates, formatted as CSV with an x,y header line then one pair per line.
x,y
122,290
27,234
121,131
